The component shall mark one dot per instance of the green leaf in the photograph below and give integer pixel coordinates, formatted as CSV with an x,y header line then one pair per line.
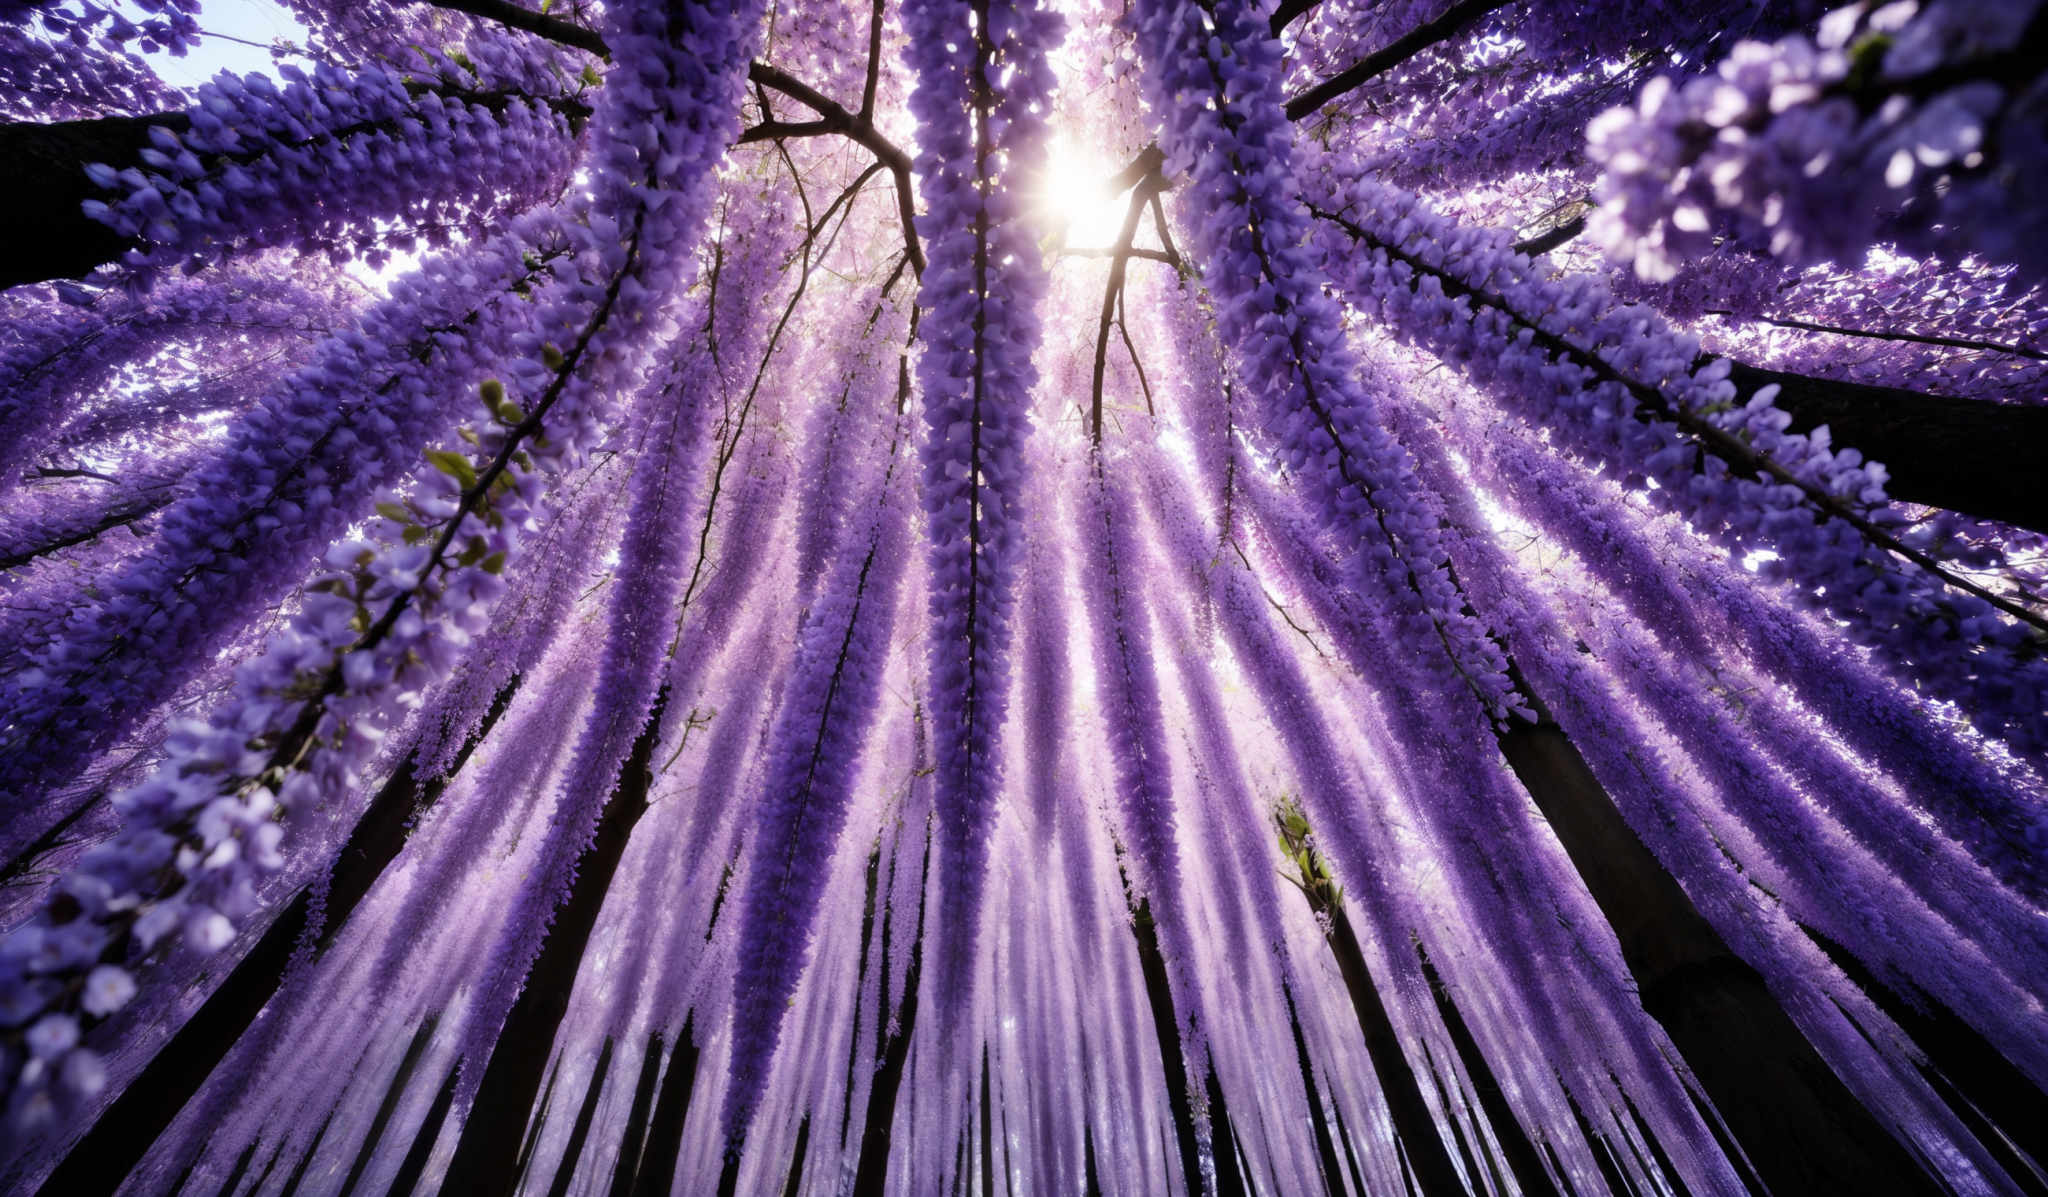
x,y
455,465
393,511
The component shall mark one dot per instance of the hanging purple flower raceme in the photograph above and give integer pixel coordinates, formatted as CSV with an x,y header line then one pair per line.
x,y
1910,122
61,362
1127,691
64,61
828,707
984,86
305,718
320,162
1213,81
294,471
1616,388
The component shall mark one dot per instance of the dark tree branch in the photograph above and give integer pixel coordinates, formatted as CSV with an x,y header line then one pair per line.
x,y
1651,403
1965,455
53,238
1119,262
1454,21
51,235
526,20
1150,255
1550,238
867,88
1889,334
117,517
1123,330
859,129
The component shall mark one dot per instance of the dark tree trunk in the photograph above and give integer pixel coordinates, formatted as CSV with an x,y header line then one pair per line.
x,y
415,1163
53,238
636,1120
1326,1151
988,1134
1417,1128
1229,1175
393,1093
2005,1110
298,1176
871,1169
671,1114
1965,455
1514,1141
1167,1032
241,1168
1799,1125
1603,1154
565,1172
131,1123
511,1080
796,1158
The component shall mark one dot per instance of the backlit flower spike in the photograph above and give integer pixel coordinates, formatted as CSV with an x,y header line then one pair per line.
x,y
983,91
1312,402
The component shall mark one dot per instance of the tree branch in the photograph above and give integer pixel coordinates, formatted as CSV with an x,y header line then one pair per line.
x,y
1453,21
1888,334
1146,184
1652,404
526,20
834,118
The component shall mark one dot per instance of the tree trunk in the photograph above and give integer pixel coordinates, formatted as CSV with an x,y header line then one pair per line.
x,y
1413,1123
393,1094
1326,1151
1799,1125
511,1080
657,1172
2007,1112
1160,996
1965,455
637,1120
1523,1161
565,1172
415,1164
52,236
871,1169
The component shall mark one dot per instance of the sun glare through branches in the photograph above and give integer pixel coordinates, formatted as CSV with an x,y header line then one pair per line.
x,y
1333,597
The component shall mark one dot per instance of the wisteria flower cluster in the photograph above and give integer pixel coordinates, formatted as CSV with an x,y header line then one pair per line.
x,y
324,161
647,597
1897,123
